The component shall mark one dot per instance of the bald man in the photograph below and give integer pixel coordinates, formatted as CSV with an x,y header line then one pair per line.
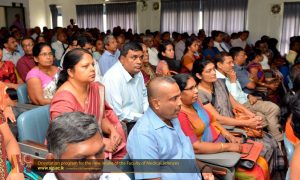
x,y
157,134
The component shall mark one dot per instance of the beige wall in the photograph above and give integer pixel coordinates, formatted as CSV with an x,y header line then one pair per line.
x,y
2,17
261,21
148,18
37,13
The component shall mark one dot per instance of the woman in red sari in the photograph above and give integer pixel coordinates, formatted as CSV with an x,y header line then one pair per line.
x,y
77,91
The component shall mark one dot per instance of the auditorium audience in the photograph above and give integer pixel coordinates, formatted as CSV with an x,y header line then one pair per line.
x,y
216,100
158,131
60,45
99,49
266,109
26,63
293,55
77,91
8,74
238,93
111,54
124,85
209,51
41,80
207,135
10,52
263,46
251,82
148,41
148,70
218,36
167,64
241,41
180,46
189,57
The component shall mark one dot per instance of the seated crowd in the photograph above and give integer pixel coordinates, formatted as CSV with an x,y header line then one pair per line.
x,y
119,95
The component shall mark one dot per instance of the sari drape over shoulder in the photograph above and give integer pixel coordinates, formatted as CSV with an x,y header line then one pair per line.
x,y
65,101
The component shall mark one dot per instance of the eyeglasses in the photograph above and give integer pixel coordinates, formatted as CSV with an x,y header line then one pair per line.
x,y
46,54
191,88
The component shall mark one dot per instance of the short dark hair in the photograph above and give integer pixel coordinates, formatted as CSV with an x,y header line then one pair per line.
x,y
6,38
253,54
134,46
26,38
72,127
235,51
83,40
220,58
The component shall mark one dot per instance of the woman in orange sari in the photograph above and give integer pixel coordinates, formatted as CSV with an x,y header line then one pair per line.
x,y
77,91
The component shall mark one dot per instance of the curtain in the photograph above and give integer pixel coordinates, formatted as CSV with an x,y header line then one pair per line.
x,y
228,16
54,14
90,16
121,14
180,16
291,24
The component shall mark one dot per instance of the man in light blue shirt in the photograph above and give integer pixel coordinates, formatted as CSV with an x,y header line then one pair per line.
x,y
157,135
110,55
124,85
266,109
10,52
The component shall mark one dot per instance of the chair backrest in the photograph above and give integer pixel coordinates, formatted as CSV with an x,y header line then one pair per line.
x,y
22,94
289,148
33,124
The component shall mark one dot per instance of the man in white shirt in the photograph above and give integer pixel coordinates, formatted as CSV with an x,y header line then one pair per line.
x,y
180,47
266,109
218,41
241,41
60,45
148,41
10,52
77,136
124,85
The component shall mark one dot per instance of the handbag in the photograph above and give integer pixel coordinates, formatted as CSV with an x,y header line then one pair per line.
x,y
250,153
255,133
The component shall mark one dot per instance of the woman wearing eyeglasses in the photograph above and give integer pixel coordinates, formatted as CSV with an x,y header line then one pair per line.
x,y
41,80
205,133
